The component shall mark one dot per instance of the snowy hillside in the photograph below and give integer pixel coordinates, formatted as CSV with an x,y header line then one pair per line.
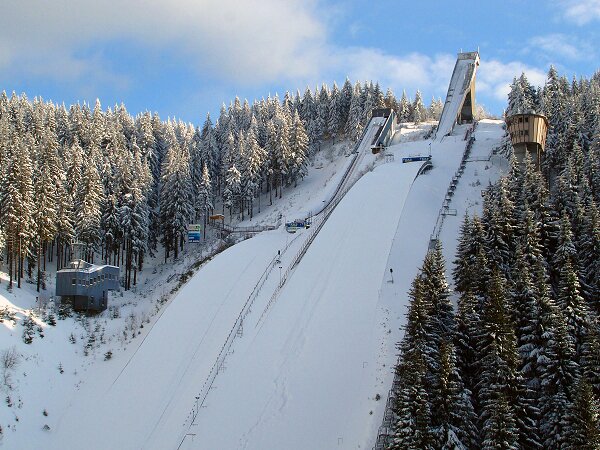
x,y
310,371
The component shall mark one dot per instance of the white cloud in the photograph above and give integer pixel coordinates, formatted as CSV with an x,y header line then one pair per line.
x,y
250,41
494,77
561,45
243,41
432,74
410,72
581,11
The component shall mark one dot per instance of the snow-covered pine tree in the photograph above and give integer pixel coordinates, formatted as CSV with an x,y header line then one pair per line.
x,y
573,305
176,202
335,113
322,113
209,149
45,215
412,430
346,100
404,111
87,216
354,126
584,433
558,374
232,191
419,112
499,380
18,205
390,100
435,108
454,420
298,147
205,198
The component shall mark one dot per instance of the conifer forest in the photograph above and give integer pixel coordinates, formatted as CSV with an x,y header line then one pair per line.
x,y
122,186
510,358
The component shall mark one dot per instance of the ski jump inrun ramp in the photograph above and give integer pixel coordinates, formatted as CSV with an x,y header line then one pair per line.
x,y
460,99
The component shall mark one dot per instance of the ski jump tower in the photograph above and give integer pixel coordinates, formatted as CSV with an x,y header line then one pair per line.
x,y
460,99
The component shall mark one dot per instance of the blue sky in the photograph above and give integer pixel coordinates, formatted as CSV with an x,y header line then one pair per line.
x,y
183,58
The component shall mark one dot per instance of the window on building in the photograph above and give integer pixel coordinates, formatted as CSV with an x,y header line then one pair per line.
x,y
526,119
520,120
526,132
73,281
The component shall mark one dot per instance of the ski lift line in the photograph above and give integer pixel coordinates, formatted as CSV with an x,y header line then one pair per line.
x,y
326,210
201,398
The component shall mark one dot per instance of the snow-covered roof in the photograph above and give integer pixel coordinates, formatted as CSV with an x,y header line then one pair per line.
x,y
83,266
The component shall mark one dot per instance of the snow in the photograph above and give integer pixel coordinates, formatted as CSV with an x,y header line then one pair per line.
x,y
307,373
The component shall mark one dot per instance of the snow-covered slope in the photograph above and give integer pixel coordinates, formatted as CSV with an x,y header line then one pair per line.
x,y
308,374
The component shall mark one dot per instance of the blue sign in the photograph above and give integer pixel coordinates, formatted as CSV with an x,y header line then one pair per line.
x,y
194,233
416,158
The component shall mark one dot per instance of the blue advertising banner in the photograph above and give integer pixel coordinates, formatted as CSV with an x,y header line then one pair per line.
x,y
194,233
416,158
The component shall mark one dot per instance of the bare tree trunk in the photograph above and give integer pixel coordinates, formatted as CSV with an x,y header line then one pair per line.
x,y
10,265
39,267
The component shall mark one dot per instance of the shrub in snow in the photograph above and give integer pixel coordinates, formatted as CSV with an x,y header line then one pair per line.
x,y
107,355
51,320
9,359
65,310
7,314
28,330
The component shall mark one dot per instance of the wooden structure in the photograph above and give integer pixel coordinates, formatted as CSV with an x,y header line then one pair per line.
x,y
528,135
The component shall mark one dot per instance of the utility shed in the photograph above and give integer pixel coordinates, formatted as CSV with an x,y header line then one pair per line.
x,y
86,285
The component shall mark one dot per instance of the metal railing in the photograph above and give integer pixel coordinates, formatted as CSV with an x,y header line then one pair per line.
x,y
323,214
444,210
233,333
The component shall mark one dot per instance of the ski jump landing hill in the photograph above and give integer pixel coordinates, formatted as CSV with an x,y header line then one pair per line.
x,y
286,344
460,99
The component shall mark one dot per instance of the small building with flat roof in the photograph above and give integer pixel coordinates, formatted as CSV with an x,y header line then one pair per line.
x,y
86,285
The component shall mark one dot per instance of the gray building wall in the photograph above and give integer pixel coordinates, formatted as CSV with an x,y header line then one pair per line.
x,y
87,287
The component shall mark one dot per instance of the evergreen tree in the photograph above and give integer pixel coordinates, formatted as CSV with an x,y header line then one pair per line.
x,y
418,111
404,108
412,429
498,386
585,432
335,113
354,124
205,196
298,150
